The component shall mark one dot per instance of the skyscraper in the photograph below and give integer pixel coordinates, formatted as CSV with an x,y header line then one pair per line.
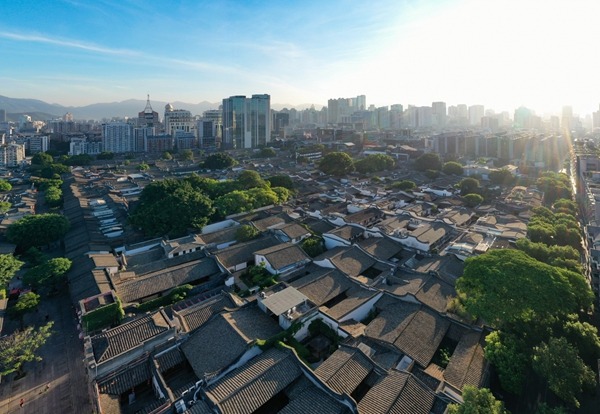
x,y
148,117
117,137
177,120
438,112
246,121
476,112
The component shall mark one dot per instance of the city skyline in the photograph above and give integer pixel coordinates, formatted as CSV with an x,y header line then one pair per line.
x,y
501,55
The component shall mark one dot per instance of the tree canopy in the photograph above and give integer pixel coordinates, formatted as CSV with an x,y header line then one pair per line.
x,y
21,347
404,185
267,153
219,161
9,265
313,246
246,232
373,163
477,401
281,181
469,185
337,164
428,161
506,286
5,185
567,375
187,155
41,158
452,168
48,273
555,186
501,177
473,199
37,230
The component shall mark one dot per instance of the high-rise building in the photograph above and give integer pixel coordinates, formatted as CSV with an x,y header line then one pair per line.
x,y
178,120
566,123
246,121
476,112
596,119
280,121
140,135
148,117
118,137
2,115
438,114
210,129
12,154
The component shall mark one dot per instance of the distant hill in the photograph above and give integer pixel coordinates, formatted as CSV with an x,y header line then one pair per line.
x,y
108,110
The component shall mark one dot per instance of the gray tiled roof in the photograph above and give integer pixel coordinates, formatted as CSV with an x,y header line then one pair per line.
x,y
213,347
244,252
398,392
344,370
126,380
381,247
429,289
283,255
327,286
127,336
467,365
223,339
248,387
280,302
357,296
195,316
150,284
346,232
413,329
293,230
352,261
312,400
169,359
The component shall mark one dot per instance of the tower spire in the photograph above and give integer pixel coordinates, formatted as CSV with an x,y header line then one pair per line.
x,y
148,108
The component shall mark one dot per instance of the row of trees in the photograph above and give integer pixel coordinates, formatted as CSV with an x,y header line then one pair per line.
x,y
173,206
340,164
535,296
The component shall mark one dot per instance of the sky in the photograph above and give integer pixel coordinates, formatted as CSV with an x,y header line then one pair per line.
x,y
541,54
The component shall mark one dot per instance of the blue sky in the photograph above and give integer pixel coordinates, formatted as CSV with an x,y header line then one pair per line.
x,y
499,53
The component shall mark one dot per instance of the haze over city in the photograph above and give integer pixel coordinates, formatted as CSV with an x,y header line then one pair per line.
x,y
500,54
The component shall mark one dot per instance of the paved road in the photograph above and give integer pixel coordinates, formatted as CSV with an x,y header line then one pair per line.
x,y
61,367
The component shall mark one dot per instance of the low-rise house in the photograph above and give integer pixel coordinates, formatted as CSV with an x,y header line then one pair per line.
x,y
282,258
418,234
342,236
241,255
182,245
291,232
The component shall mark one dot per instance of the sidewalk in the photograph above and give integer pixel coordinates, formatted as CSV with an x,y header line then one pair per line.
x,y
61,367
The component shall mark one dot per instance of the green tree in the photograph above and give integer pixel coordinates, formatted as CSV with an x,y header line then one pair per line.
x,y
469,186
246,232
48,274
510,357
567,375
404,185
452,168
583,336
41,158
53,197
26,303
232,203
175,212
507,286
473,199
143,167
219,161
9,265
5,185
428,161
21,347
250,179
105,156
283,194
432,174
187,155
267,153
313,246
4,206
281,181
477,401
338,164
373,163
501,177
555,186
564,205
167,156
262,197
37,230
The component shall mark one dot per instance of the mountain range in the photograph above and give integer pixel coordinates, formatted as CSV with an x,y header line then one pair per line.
x,y
40,110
